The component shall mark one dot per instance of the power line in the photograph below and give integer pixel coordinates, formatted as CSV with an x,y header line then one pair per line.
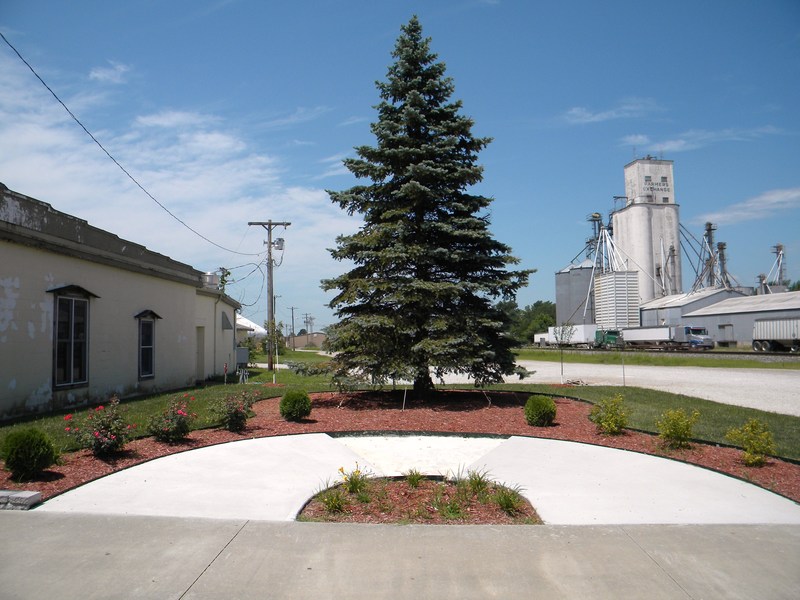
x,y
114,160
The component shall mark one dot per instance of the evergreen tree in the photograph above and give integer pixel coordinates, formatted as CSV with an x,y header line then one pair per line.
x,y
427,270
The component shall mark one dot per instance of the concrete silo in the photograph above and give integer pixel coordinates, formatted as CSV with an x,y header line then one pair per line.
x,y
647,228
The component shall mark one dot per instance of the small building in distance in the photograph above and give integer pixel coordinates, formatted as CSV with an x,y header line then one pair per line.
x,y
672,310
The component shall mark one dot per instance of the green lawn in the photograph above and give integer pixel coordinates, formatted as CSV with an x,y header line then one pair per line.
x,y
645,406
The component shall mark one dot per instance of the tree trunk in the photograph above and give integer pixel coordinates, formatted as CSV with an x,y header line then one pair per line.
x,y
423,385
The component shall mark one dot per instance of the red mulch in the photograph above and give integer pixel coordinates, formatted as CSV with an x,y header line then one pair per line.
x,y
450,412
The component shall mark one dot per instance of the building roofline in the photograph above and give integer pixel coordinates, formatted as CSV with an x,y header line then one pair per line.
x,y
31,222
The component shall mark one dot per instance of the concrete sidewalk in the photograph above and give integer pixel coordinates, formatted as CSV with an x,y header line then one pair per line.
x,y
568,483
215,523
49,555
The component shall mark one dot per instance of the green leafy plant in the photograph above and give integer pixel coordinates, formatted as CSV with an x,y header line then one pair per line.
x,y
610,415
233,411
173,424
540,411
509,499
103,429
479,483
295,405
27,452
675,427
756,442
414,478
355,481
334,500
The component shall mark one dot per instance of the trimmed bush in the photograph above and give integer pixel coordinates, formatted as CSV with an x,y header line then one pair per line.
x,y
295,405
756,441
172,425
103,430
540,411
234,410
675,427
610,415
27,453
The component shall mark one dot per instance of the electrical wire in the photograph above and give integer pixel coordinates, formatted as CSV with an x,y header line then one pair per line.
x,y
116,162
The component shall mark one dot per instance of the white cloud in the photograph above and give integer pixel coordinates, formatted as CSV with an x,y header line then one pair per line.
x,y
114,73
635,140
205,172
300,115
353,121
627,109
698,138
763,206
173,118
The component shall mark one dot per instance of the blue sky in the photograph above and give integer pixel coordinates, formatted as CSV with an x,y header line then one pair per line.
x,y
229,111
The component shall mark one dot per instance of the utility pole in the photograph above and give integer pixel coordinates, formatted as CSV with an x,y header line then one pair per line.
x,y
292,308
269,226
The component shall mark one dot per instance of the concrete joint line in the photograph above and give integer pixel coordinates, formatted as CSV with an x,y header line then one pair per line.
x,y
213,560
658,564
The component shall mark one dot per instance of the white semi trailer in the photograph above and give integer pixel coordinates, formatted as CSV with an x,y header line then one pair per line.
x,y
775,335
667,337
575,335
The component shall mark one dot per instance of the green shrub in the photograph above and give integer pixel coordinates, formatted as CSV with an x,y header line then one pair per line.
x,y
414,478
355,481
540,411
173,424
756,441
334,500
103,430
509,500
27,452
295,405
234,410
675,427
610,415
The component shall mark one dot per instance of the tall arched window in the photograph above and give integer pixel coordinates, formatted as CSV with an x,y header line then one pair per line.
x,y
147,343
71,336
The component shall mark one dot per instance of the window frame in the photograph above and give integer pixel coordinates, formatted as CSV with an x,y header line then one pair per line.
x,y
146,317
71,297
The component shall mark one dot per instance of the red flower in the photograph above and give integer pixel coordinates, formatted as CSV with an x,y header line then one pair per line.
x,y
192,398
68,417
97,434
99,408
66,428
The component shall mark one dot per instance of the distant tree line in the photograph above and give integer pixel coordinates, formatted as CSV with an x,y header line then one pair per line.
x,y
527,322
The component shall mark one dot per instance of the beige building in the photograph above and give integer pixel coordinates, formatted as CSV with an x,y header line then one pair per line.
x,y
85,315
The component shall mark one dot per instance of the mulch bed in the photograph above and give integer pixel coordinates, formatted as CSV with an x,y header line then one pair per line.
x,y
457,412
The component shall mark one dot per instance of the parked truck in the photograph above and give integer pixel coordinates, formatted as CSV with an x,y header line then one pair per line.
x,y
579,335
775,335
660,337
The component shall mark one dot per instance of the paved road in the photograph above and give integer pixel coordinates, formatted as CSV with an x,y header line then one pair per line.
x,y
772,390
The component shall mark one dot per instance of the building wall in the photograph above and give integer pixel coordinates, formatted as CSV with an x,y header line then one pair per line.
x,y
736,329
215,346
27,319
674,315
648,226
